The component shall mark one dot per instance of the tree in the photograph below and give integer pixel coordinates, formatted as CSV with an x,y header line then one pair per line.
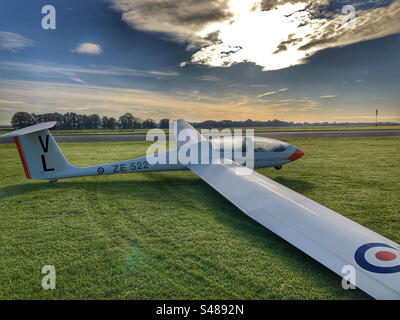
x,y
22,120
71,121
112,123
164,124
137,123
104,121
46,117
149,124
59,118
94,122
126,121
249,123
84,122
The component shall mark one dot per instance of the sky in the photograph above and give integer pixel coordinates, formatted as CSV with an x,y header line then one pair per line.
x,y
293,60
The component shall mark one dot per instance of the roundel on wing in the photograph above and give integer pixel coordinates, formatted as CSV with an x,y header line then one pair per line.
x,y
378,258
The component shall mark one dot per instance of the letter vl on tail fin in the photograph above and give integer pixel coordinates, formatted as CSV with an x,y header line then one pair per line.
x,y
40,155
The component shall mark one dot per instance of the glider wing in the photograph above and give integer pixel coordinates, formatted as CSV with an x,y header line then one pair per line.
x,y
330,238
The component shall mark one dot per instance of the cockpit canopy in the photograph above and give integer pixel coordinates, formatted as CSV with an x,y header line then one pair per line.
x,y
269,145
239,144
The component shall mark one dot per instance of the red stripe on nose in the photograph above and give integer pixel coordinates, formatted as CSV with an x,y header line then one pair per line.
x,y
296,155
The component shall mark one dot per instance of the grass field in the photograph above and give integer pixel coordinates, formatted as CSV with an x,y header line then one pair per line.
x,y
257,129
170,236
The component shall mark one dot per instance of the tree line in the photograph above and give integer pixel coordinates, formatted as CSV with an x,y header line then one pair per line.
x,y
73,121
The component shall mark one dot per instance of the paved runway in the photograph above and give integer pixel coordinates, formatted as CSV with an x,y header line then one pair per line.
x,y
275,135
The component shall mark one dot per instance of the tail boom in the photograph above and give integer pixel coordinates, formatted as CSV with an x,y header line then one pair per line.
x,y
42,159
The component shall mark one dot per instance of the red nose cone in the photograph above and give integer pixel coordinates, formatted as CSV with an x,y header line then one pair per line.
x,y
296,155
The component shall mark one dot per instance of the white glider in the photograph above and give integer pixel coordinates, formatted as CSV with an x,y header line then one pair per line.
x,y
333,240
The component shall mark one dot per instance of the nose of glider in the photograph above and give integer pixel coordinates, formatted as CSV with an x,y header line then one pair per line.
x,y
296,155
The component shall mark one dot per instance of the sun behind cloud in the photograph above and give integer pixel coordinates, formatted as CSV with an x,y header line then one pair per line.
x,y
273,34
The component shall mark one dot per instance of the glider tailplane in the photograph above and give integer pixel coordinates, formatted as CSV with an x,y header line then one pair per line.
x,y
40,155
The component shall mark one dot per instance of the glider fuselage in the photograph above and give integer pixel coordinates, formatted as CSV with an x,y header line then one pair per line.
x,y
267,153
42,159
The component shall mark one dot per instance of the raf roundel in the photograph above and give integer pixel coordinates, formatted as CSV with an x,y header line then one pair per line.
x,y
100,170
378,258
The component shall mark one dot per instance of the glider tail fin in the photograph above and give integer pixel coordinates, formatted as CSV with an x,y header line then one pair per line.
x,y
40,155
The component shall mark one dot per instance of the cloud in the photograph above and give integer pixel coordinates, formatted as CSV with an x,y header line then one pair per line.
x,y
13,41
88,48
370,24
271,93
77,80
273,34
163,74
181,20
328,96
290,106
394,118
191,105
259,86
9,102
209,78
72,72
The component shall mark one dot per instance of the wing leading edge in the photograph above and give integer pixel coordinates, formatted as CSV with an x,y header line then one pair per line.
x,y
323,234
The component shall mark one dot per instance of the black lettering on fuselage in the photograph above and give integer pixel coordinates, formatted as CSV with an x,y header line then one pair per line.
x,y
45,169
44,147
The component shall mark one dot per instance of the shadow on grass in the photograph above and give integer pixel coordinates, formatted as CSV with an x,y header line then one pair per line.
x,y
127,187
217,207
299,186
109,187
170,192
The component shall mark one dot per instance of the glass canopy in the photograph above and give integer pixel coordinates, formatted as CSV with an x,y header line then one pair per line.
x,y
239,144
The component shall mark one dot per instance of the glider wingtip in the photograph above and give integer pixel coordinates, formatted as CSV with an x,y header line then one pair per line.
x,y
30,129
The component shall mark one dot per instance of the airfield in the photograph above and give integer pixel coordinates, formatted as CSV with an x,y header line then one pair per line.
x,y
169,235
280,135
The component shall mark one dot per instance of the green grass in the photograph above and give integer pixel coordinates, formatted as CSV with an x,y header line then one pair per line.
x,y
257,129
327,128
89,131
170,236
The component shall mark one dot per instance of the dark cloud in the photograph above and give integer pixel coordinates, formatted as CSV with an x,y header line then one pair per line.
x,y
315,9
282,47
272,4
291,41
199,12
369,24
174,16
214,28
213,37
317,43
